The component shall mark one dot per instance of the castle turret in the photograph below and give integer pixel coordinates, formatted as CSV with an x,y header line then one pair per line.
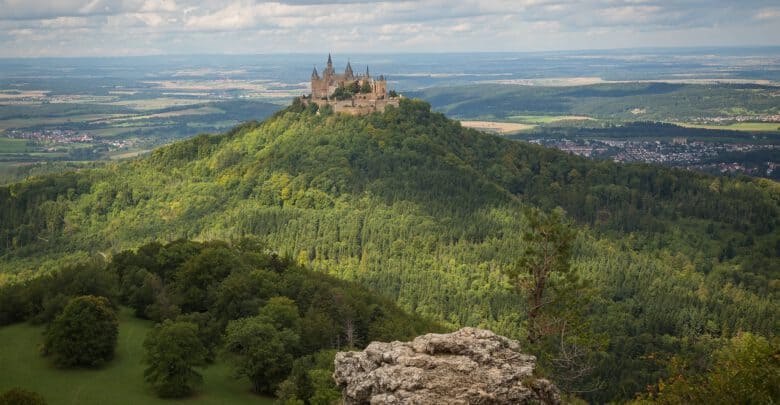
x,y
348,71
367,75
380,87
329,69
314,74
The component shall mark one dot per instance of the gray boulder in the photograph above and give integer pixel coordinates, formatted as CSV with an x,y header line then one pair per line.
x,y
470,366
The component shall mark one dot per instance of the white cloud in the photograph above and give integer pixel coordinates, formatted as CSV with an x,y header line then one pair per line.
x,y
159,5
233,16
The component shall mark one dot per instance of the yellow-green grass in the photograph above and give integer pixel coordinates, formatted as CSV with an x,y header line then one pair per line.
x,y
119,382
738,126
496,126
546,119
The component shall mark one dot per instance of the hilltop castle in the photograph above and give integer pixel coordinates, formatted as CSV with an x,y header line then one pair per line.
x,y
349,93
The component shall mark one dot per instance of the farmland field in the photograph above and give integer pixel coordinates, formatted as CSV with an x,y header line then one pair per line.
x,y
497,127
13,145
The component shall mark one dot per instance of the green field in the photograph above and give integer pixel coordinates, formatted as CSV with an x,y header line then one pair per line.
x,y
10,145
738,126
120,382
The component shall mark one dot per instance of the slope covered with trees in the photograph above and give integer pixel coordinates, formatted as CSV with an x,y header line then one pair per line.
x,y
413,205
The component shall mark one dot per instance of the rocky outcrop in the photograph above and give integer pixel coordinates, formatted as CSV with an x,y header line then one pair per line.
x,y
470,366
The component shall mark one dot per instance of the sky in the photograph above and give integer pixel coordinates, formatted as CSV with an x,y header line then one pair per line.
x,y
31,28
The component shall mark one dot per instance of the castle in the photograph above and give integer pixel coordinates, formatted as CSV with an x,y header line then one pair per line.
x,y
347,92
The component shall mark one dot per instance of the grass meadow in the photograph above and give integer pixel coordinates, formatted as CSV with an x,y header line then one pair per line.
x,y
119,382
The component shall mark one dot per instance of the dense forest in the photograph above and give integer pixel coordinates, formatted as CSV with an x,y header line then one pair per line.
x,y
671,266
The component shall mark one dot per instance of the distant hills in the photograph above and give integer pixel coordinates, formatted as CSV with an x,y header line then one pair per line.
x,y
627,101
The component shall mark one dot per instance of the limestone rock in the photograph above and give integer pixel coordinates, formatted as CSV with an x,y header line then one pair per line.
x,y
470,366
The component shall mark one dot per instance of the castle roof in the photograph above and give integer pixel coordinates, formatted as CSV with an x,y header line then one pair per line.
x,y
330,61
314,74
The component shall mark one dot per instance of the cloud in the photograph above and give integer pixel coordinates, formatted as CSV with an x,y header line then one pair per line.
x,y
769,14
216,26
233,16
159,5
36,9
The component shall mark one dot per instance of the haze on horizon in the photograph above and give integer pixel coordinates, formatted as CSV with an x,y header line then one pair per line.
x,y
30,28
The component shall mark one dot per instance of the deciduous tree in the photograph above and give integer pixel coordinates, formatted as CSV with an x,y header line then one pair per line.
x,y
260,351
85,334
173,349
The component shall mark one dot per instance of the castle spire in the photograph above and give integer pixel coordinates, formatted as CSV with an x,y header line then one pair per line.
x,y
329,71
348,71
367,75
314,74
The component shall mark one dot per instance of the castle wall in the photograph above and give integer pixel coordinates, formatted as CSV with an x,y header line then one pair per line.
x,y
356,106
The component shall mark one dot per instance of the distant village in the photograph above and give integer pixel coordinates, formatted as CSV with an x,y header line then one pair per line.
x,y
677,152
49,138
737,118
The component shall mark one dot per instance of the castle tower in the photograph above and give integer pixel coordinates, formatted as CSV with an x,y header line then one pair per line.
x,y
367,75
329,69
380,87
348,71
314,74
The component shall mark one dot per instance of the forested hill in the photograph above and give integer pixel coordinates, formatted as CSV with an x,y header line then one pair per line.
x,y
429,213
